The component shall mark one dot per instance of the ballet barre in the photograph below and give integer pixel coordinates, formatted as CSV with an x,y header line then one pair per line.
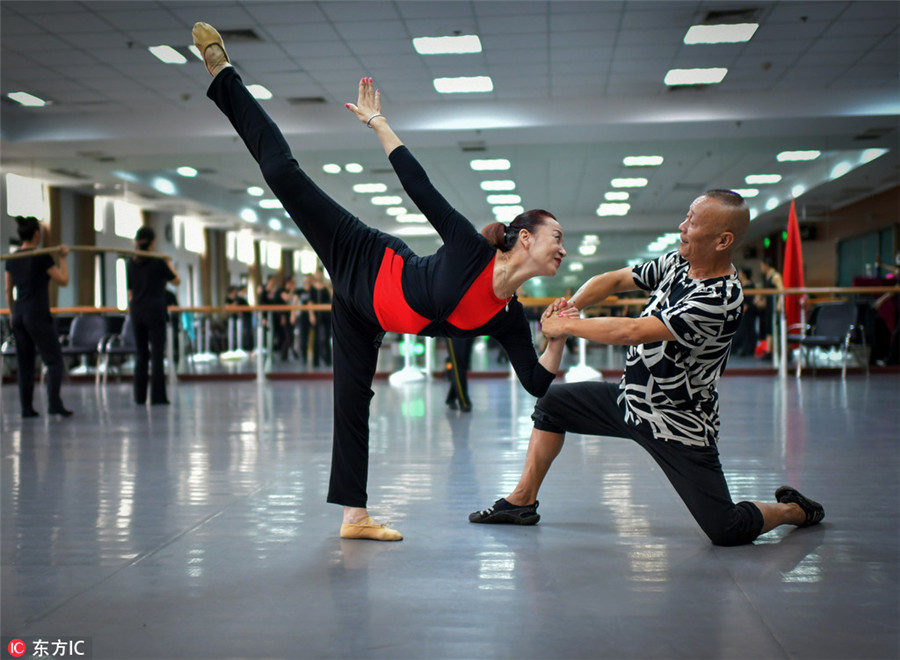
x,y
22,254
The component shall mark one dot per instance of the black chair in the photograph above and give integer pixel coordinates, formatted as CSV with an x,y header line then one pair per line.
x,y
86,337
831,325
119,344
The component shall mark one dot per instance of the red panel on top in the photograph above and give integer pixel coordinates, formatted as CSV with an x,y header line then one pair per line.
x,y
391,308
479,304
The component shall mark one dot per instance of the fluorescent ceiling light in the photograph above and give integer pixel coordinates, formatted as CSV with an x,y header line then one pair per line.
x,y
871,154
498,185
607,209
387,200
465,43
184,170
259,92
370,188
620,196
464,84
797,155
164,186
503,199
587,250
353,168
331,168
761,179
396,210
507,213
576,266
167,54
415,230
482,164
249,215
840,169
269,204
590,239
275,224
255,191
754,213
746,192
772,203
25,98
695,76
642,161
637,182
412,217
720,34
798,190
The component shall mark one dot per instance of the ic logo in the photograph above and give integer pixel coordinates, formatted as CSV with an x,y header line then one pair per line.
x,y
16,648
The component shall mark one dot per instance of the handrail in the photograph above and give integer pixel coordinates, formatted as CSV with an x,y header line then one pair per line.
x,y
611,301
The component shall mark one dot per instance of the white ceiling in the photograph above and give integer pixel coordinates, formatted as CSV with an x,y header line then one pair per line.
x,y
577,86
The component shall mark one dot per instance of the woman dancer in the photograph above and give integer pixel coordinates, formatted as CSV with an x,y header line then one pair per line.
x,y
32,324
465,289
147,279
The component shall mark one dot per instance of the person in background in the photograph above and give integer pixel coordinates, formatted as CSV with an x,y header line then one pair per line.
x,y
322,289
744,342
147,278
305,319
32,324
769,306
284,321
459,356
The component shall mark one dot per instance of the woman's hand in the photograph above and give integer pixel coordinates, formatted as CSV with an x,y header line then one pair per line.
x,y
551,324
369,103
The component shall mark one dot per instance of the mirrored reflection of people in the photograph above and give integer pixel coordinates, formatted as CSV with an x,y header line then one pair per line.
x,y
459,350
467,288
306,318
32,324
769,305
322,319
147,278
744,342
666,400
283,320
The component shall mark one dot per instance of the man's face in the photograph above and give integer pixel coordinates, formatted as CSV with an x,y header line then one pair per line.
x,y
701,229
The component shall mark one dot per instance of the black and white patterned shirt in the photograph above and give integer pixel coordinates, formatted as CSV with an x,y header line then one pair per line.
x,y
669,387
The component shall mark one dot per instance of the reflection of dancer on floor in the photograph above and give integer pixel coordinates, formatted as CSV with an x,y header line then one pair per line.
x,y
459,355
465,289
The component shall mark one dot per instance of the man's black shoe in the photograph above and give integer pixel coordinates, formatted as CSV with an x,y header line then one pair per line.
x,y
813,510
504,513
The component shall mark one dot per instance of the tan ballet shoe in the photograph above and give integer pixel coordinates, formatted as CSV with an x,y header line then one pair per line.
x,y
205,35
369,529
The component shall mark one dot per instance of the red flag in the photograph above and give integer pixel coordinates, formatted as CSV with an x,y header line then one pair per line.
x,y
793,268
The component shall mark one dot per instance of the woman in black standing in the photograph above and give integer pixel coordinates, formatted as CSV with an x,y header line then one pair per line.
x,y
32,324
147,278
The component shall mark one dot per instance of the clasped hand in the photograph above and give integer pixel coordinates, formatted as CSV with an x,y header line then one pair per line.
x,y
552,318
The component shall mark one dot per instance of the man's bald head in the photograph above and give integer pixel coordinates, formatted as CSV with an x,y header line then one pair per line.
x,y
735,216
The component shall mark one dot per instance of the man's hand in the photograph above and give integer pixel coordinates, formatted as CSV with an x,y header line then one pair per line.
x,y
551,323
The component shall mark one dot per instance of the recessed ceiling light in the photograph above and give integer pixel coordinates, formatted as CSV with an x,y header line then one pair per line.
x,y
331,168
840,169
507,213
184,170
772,203
761,179
249,215
746,192
259,92
396,210
269,204
871,154
637,182
797,155
458,45
167,54
695,76
720,34
587,250
607,209
24,98
576,266
798,190
387,200
369,188
482,164
412,217
275,224
590,239
503,199
619,196
353,168
498,185
414,230
464,85
642,161
255,191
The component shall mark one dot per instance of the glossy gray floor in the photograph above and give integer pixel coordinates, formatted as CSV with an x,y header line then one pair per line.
x,y
200,530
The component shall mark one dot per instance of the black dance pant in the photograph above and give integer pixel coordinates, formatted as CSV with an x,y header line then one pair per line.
x,y
150,347
591,409
35,334
352,253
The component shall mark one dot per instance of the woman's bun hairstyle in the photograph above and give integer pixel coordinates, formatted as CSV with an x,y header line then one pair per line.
x,y
26,226
504,237
144,237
